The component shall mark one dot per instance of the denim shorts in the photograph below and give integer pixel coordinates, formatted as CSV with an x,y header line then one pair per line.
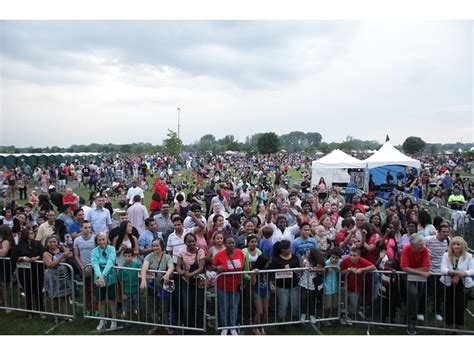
x,y
130,303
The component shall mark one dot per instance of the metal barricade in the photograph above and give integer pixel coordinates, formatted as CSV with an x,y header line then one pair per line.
x,y
398,299
180,307
33,288
258,299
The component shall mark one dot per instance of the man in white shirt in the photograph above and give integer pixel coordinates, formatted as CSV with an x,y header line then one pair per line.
x,y
133,191
437,246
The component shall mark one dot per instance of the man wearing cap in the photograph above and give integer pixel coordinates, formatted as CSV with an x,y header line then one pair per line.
x,y
56,197
133,191
189,221
234,225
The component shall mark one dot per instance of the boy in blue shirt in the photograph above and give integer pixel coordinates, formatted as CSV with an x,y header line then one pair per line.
x,y
130,284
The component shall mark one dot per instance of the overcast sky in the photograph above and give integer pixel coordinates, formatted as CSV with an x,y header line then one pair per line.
x,y
78,82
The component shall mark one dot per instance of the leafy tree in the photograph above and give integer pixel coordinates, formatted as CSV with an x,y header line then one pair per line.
x,y
172,144
413,145
207,142
268,143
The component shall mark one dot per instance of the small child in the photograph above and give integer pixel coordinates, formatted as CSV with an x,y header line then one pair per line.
x,y
217,244
130,284
260,292
321,239
266,244
311,283
389,293
331,283
210,279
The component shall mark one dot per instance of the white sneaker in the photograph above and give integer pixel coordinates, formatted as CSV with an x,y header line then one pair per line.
x,y
233,332
439,317
303,318
312,319
224,332
101,325
420,317
113,325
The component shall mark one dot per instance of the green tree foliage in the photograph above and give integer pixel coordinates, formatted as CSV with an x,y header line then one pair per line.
x,y
413,145
172,144
268,143
298,141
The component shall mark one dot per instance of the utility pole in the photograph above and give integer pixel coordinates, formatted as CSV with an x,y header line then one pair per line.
x,y
179,114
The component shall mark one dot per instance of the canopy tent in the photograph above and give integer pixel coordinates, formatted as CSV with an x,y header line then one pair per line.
x,y
334,168
389,155
388,164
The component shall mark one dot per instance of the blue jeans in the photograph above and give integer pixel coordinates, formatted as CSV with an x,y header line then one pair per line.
x,y
285,296
228,307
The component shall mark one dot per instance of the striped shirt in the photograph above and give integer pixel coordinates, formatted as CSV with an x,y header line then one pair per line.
x,y
436,249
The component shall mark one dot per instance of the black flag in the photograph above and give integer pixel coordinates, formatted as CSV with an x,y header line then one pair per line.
x,y
387,138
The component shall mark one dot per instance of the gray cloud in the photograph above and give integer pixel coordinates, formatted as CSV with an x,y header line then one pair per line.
x,y
365,79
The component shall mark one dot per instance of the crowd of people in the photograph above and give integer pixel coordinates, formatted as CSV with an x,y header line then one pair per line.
x,y
218,215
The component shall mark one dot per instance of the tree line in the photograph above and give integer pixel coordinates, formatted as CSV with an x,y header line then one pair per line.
x,y
269,142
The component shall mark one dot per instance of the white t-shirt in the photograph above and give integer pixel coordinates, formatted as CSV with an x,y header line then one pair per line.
x,y
176,244
132,192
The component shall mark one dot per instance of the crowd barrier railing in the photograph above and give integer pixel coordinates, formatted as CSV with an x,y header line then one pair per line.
x,y
36,289
240,301
174,305
257,299
397,299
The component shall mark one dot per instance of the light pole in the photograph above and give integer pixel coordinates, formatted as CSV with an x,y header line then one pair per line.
x,y
179,114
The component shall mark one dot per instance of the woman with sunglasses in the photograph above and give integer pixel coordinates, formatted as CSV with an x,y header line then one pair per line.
x,y
105,278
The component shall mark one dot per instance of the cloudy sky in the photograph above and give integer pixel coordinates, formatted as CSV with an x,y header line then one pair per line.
x,y
78,82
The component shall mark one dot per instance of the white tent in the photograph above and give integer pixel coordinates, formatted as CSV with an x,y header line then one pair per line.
x,y
389,155
333,168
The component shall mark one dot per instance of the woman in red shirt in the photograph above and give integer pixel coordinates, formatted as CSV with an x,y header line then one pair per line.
x,y
228,286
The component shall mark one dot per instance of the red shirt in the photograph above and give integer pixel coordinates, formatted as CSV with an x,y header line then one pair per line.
x,y
155,205
355,282
340,236
360,206
229,283
71,200
415,260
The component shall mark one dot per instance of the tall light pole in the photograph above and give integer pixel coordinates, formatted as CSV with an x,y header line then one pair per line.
x,y
179,114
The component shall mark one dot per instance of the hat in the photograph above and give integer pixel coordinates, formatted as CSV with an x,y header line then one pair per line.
x,y
247,203
234,217
51,187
